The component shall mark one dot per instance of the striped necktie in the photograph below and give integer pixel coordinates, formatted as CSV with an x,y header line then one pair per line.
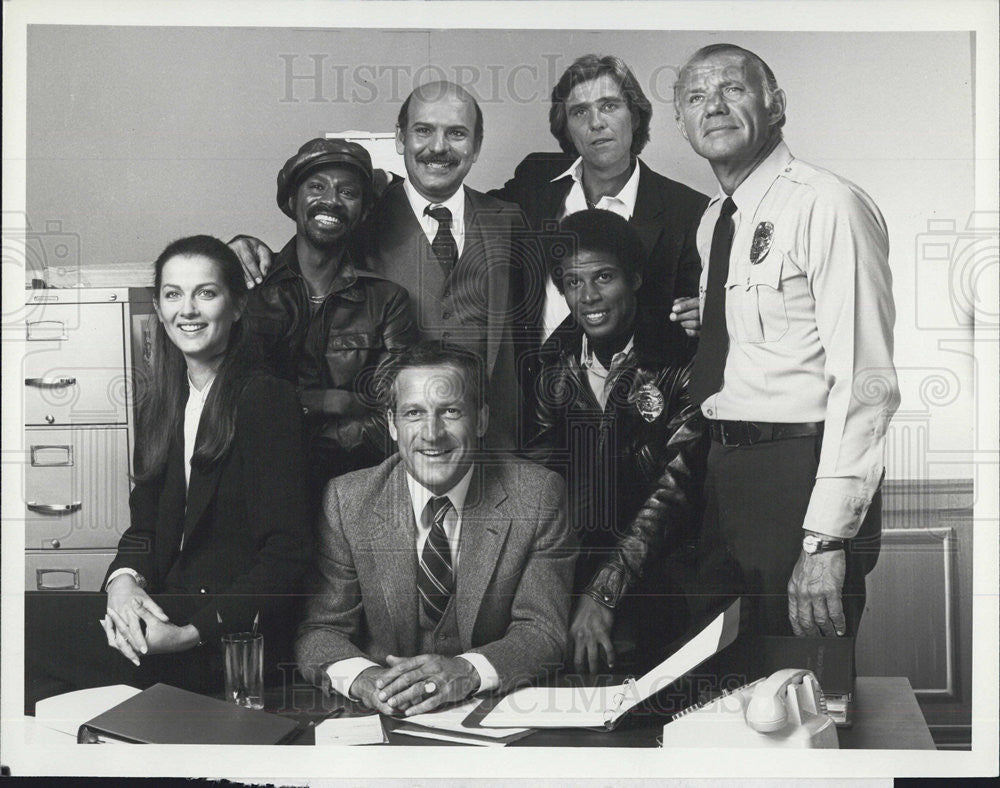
x,y
436,578
444,244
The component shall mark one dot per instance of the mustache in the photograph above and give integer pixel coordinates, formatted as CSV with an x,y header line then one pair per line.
x,y
439,158
332,210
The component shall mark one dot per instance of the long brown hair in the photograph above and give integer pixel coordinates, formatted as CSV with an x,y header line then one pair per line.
x,y
161,397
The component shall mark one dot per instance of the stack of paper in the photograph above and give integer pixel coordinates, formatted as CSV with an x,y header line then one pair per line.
x,y
459,724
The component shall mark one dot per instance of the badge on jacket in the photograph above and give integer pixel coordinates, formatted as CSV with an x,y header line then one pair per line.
x,y
761,242
648,401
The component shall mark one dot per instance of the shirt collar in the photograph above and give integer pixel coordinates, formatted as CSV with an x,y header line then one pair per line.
x,y
199,397
420,495
589,361
749,193
628,193
455,204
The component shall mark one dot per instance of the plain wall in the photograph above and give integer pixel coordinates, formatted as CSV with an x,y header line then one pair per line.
x,y
139,135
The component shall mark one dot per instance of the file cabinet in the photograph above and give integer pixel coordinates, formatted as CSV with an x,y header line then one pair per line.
x,y
79,433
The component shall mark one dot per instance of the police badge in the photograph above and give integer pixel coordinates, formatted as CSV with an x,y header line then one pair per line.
x,y
761,242
648,401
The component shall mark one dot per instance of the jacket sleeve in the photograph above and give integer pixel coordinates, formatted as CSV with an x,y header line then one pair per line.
x,y
689,261
137,546
671,509
399,332
537,634
272,476
334,614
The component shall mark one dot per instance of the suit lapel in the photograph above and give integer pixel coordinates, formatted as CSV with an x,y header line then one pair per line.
x,y
170,518
392,536
647,218
553,195
484,530
485,230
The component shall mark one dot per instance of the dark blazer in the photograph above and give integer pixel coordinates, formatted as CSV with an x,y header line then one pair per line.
x,y
666,218
395,246
515,565
244,523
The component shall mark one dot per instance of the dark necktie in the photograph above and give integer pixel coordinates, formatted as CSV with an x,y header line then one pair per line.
x,y
713,345
436,575
444,245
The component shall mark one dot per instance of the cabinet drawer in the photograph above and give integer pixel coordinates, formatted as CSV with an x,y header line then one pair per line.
x,y
76,488
58,571
74,365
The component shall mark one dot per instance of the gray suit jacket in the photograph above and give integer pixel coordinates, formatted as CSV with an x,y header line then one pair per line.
x,y
515,570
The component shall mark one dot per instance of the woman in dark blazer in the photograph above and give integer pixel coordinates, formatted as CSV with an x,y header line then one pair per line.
x,y
219,533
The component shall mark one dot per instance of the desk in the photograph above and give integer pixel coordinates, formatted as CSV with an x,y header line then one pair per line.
x,y
886,717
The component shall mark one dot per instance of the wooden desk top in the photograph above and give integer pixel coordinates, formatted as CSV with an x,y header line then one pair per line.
x,y
886,716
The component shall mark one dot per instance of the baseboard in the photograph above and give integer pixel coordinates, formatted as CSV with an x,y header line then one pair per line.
x,y
952,737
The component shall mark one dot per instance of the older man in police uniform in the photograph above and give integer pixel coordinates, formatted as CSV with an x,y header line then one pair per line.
x,y
797,317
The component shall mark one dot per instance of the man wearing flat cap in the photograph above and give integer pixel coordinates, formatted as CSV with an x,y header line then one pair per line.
x,y
447,244
323,322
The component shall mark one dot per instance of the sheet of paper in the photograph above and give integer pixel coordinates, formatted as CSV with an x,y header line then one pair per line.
x,y
555,707
67,712
445,736
451,719
589,707
351,730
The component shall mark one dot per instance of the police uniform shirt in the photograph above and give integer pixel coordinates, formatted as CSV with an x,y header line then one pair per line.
x,y
809,313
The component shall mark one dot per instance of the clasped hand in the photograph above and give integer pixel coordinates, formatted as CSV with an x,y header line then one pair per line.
x,y
129,607
414,685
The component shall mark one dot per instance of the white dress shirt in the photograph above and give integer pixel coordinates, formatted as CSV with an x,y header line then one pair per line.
x,y
810,325
555,310
343,673
192,418
599,378
455,204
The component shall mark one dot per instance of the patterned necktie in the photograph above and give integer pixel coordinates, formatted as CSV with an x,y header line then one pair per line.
x,y
713,345
436,577
444,245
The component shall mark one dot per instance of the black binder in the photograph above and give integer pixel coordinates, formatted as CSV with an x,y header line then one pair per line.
x,y
167,715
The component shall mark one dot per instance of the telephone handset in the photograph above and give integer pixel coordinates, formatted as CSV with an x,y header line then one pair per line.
x,y
784,710
769,707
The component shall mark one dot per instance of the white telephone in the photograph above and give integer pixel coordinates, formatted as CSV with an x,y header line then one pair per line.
x,y
784,710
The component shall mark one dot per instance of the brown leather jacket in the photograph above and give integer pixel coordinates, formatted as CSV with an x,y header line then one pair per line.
x,y
331,351
635,470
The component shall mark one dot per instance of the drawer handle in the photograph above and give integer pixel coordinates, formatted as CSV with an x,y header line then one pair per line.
x,y
50,383
46,331
43,584
51,456
55,508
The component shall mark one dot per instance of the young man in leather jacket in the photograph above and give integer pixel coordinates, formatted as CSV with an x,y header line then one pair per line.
x,y
614,418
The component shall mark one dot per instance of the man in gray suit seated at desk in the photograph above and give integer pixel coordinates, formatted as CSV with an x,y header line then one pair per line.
x,y
439,573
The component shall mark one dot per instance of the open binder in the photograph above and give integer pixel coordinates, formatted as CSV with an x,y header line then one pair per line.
x,y
603,707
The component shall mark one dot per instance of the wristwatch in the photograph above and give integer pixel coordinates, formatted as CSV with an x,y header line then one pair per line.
x,y
812,544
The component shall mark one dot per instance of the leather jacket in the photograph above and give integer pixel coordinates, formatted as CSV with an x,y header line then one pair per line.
x,y
330,351
634,470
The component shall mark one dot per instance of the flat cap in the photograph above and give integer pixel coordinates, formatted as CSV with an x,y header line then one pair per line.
x,y
322,152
